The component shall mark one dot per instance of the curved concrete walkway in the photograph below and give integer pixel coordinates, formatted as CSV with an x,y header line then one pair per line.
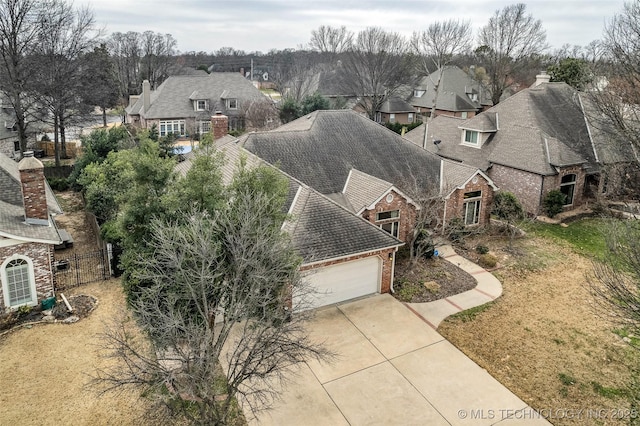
x,y
487,290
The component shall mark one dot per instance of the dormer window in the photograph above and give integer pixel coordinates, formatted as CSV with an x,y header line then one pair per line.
x,y
471,137
418,93
202,105
232,104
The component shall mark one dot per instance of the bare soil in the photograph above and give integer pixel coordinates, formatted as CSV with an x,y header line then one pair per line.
x,y
429,279
46,369
543,338
75,222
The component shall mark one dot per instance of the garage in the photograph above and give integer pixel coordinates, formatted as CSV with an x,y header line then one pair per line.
x,y
340,282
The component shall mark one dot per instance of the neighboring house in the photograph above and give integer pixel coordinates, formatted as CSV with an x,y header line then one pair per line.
x,y
396,110
183,105
344,256
459,94
9,138
28,232
535,141
373,172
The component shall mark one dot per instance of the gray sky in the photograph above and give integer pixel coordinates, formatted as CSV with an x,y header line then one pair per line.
x,y
261,25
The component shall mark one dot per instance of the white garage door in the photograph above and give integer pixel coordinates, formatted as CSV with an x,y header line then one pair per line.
x,y
344,281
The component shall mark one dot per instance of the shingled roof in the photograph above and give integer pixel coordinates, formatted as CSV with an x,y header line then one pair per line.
x,y
320,228
172,99
12,221
536,130
320,149
453,92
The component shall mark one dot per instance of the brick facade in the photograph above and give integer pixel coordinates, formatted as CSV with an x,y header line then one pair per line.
x,y
33,188
454,205
531,188
388,259
219,125
407,216
41,256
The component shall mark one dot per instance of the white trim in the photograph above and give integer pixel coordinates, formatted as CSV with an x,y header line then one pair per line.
x,y
5,281
27,239
393,271
346,183
295,198
477,172
333,259
397,191
586,122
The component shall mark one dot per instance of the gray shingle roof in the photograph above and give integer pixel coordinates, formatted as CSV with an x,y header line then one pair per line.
x,y
538,129
455,87
172,99
12,221
362,189
320,229
320,149
396,105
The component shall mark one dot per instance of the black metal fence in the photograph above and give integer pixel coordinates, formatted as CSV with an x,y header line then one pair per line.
x,y
58,172
81,268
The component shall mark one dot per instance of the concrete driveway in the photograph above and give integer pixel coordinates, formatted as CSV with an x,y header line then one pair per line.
x,y
392,369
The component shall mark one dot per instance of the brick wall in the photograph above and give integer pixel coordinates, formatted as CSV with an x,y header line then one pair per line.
x,y
33,188
553,182
388,260
407,215
455,202
42,257
526,186
219,125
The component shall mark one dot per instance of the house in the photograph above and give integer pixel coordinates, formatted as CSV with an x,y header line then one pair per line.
x,y
28,232
373,172
396,110
540,139
182,105
344,256
459,94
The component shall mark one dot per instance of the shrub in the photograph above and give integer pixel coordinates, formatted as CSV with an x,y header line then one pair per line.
x,y
456,231
553,202
58,184
507,207
488,261
482,249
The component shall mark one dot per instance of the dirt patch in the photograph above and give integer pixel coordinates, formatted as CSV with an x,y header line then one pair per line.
x,y
74,221
542,339
429,280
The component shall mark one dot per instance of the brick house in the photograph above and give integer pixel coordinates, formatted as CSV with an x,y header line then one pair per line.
x,y
542,138
396,110
28,232
182,105
344,256
370,170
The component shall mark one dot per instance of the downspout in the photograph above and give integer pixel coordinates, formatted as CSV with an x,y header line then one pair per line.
x,y
393,269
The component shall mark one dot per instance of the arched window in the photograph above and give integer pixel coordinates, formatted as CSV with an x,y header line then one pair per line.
x,y
18,283
567,187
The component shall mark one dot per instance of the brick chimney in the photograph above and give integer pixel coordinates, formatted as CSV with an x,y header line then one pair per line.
x,y
219,125
146,95
33,190
543,77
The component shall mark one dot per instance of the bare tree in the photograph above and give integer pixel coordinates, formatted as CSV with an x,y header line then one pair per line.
x,y
616,279
19,31
126,50
67,34
260,115
157,50
435,47
331,40
510,38
374,68
213,302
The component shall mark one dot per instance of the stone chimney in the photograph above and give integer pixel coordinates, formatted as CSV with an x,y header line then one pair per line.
x,y
33,190
219,125
543,77
146,95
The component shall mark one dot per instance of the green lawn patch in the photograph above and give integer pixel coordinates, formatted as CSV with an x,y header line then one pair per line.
x,y
586,236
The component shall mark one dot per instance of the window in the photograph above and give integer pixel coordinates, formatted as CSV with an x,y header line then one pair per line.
x,y
172,126
232,103
19,285
418,93
204,127
410,117
202,105
390,225
392,118
472,201
393,214
463,114
567,187
378,117
471,137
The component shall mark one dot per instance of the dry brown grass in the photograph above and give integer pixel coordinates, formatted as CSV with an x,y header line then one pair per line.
x,y
44,370
542,339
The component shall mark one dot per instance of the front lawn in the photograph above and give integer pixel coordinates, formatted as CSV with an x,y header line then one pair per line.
x,y
586,236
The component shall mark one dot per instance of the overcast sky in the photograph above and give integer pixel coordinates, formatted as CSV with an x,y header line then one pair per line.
x,y
261,25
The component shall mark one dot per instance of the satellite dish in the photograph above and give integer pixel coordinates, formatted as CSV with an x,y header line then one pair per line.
x,y
265,76
437,142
